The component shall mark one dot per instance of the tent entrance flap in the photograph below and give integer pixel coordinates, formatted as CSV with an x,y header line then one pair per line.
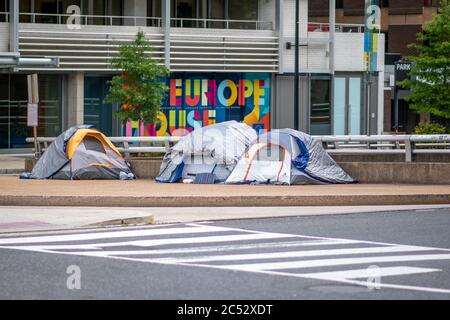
x,y
81,134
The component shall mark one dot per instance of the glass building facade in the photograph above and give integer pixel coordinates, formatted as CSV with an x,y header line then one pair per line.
x,y
13,109
96,112
320,112
186,12
47,11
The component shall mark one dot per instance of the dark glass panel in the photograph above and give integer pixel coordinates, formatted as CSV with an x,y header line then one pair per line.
x,y
320,107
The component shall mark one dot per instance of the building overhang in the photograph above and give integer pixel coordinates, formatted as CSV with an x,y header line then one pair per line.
x,y
14,60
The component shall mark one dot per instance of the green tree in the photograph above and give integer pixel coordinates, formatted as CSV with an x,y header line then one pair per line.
x,y
430,71
140,88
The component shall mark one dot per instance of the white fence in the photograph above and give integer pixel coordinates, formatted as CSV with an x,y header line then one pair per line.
x,y
408,145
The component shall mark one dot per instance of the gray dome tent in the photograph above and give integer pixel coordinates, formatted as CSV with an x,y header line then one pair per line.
x,y
81,153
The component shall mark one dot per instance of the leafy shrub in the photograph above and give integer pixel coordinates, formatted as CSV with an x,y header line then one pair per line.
x,y
430,128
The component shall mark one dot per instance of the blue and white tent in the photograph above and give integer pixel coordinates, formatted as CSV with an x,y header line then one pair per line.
x,y
289,157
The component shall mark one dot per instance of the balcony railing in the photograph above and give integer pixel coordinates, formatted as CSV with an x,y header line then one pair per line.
x,y
138,21
339,27
221,24
90,19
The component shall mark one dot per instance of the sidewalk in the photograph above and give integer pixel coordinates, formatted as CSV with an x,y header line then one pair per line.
x,y
41,219
147,193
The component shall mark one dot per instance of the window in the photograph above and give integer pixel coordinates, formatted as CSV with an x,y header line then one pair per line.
x,y
100,8
320,114
242,10
46,11
386,42
13,109
4,10
402,7
55,11
216,10
24,10
153,10
431,3
184,11
4,111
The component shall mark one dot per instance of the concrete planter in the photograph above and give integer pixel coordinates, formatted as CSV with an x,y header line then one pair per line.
x,y
364,172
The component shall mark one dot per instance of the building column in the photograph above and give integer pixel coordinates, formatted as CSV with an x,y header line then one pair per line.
x,y
135,8
279,12
75,99
14,26
166,26
380,109
332,29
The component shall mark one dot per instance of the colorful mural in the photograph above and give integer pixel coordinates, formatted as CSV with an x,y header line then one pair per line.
x,y
197,100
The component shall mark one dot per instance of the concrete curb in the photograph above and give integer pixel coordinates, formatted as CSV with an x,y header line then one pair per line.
x,y
136,221
224,201
11,171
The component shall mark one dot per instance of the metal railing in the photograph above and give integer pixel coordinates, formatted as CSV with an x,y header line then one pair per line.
x,y
339,27
408,145
126,145
86,19
112,20
221,24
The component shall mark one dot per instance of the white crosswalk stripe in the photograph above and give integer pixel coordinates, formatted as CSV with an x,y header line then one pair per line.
x,y
365,273
223,248
332,262
296,254
112,234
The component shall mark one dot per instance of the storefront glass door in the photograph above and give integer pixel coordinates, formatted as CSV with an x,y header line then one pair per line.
x,y
347,115
96,112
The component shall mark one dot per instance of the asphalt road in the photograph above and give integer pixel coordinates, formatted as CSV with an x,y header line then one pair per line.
x,y
392,255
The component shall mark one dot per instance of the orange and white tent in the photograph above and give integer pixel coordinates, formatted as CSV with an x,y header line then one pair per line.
x,y
263,163
286,156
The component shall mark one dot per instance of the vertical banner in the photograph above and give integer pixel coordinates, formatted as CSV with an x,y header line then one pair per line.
x,y
33,100
372,25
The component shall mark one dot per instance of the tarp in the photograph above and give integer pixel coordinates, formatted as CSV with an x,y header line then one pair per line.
x,y
212,149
